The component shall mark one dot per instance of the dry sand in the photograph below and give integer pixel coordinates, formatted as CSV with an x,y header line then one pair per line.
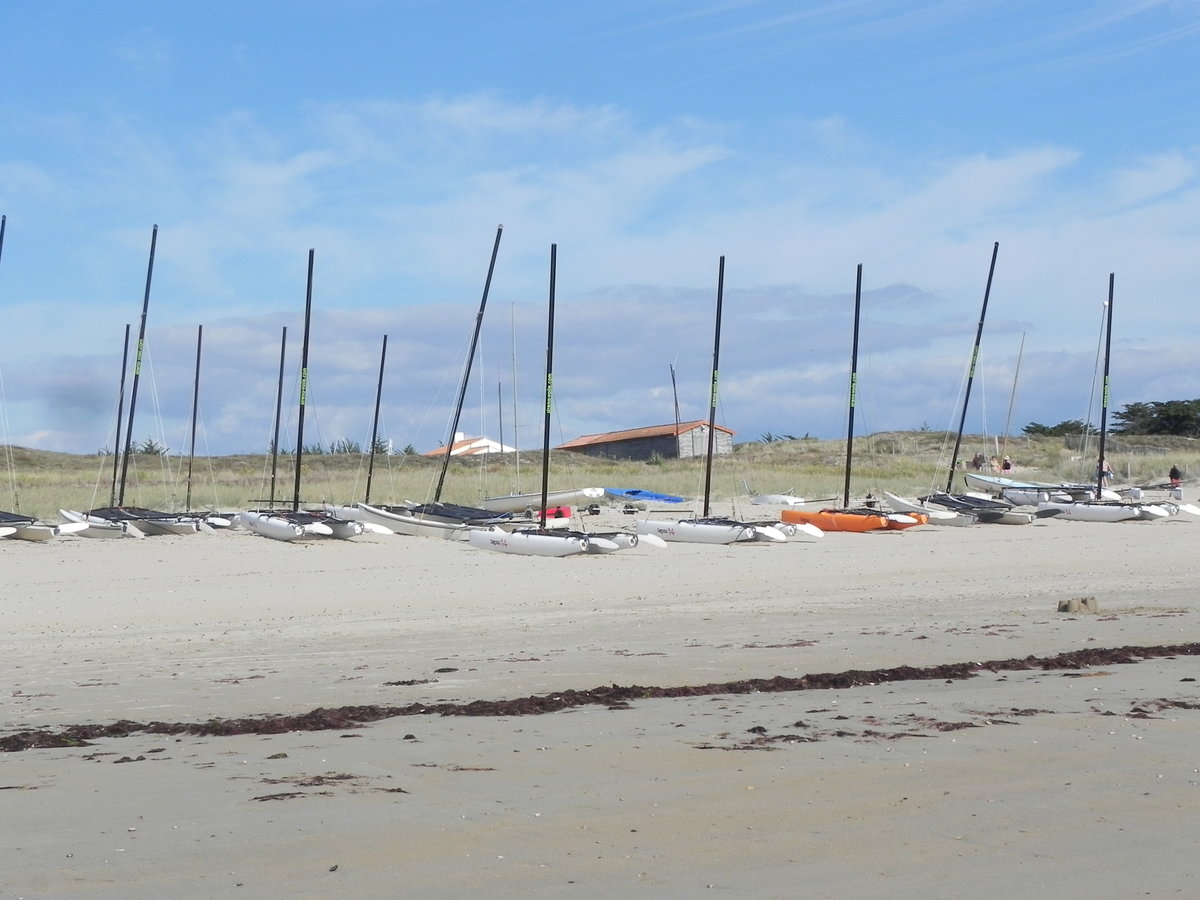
x,y
1015,783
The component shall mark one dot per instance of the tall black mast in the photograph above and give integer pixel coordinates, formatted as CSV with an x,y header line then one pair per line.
x,y
853,385
971,371
137,370
375,421
1104,390
462,391
549,390
303,381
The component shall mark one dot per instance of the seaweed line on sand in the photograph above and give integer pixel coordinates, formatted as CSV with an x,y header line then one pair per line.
x,y
347,717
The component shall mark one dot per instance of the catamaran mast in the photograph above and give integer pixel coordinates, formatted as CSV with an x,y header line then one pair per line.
x,y
187,503
712,394
853,385
549,391
1104,388
303,381
462,391
971,371
137,371
375,421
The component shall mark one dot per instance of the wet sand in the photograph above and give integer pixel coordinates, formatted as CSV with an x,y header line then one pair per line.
x,y
1060,778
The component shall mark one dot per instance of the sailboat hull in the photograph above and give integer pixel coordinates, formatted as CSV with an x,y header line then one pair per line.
x,y
274,527
693,532
836,520
527,543
100,529
1092,512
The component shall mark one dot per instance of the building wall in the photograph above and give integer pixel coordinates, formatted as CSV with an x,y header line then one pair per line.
x,y
695,443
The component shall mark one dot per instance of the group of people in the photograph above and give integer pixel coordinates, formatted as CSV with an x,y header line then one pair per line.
x,y
979,462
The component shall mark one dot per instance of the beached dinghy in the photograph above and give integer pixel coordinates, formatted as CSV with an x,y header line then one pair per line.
x,y
854,520
541,540
148,521
857,519
271,526
100,528
986,510
532,542
934,516
271,521
26,528
1029,493
696,531
1092,511
1100,509
707,529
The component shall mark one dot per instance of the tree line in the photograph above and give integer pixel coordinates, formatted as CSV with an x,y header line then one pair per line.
x,y
1180,418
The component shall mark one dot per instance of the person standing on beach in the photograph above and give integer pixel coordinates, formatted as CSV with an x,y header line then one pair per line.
x,y
1006,466
1106,473
1176,476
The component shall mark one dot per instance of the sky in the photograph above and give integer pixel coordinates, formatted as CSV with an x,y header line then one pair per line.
x,y
646,140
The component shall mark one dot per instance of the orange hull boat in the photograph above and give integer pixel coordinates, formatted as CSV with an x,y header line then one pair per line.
x,y
837,519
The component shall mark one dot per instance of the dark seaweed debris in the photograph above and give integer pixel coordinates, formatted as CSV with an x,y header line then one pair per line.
x,y
349,717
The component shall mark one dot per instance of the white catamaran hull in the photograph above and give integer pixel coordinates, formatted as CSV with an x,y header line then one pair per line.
x,y
1083,511
1029,492
528,543
275,527
689,532
40,531
100,529
399,523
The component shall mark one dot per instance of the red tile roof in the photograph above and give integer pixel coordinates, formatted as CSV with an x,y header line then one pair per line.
x,y
630,434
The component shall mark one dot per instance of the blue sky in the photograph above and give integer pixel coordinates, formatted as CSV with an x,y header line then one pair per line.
x,y
646,139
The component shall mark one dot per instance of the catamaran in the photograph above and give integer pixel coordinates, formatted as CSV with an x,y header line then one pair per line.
x,y
708,529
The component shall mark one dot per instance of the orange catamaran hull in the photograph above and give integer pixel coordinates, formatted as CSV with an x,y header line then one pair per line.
x,y
835,519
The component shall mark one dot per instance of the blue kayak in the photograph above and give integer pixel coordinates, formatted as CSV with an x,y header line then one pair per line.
x,y
630,495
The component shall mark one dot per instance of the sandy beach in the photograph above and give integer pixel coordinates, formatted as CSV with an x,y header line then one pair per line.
x,y
1045,781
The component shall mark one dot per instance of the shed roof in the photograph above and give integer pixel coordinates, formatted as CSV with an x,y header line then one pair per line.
x,y
471,446
630,434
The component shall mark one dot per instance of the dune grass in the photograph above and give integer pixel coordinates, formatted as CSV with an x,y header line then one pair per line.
x,y
39,483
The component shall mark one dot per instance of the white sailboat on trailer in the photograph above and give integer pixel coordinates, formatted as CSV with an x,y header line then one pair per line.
x,y
540,540
709,529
